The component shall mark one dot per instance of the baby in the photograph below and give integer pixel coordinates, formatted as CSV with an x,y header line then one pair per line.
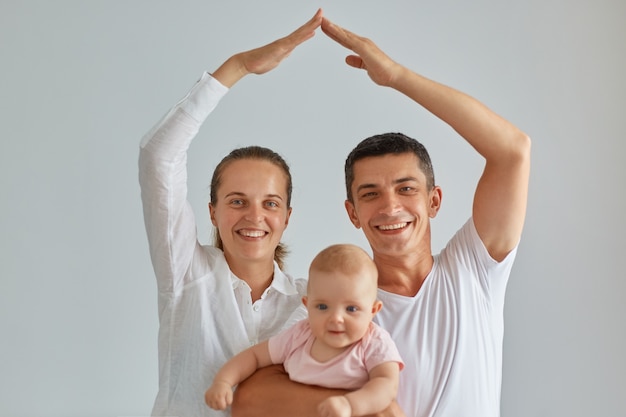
x,y
337,346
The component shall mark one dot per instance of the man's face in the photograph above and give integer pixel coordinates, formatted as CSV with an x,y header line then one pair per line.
x,y
392,204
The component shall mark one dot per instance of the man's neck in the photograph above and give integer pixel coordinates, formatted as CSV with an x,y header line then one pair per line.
x,y
403,275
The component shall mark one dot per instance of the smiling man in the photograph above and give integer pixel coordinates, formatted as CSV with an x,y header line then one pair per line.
x,y
445,311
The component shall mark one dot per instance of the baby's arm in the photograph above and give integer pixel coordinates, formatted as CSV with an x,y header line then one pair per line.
x,y
375,396
220,393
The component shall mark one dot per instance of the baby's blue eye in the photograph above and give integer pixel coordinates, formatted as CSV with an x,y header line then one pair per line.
x,y
352,309
322,307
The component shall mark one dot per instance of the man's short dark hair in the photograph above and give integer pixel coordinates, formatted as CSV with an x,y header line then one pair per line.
x,y
384,144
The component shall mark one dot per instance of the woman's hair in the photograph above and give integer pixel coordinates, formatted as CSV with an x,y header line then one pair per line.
x,y
256,153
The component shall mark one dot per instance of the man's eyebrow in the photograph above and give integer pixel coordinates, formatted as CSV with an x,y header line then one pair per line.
x,y
404,179
398,181
365,186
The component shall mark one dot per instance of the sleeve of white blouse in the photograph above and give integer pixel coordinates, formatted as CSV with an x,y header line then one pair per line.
x,y
169,219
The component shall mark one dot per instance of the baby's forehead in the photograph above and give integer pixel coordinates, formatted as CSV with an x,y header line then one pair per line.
x,y
347,258
339,284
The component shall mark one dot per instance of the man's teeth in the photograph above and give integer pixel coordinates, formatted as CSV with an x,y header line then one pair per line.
x,y
252,233
392,226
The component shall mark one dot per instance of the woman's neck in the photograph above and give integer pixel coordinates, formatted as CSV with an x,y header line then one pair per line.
x,y
258,275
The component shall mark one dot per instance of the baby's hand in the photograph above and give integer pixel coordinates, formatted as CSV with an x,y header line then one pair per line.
x,y
219,395
337,406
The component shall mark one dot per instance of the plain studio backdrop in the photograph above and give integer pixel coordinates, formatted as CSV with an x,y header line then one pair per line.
x,y
82,81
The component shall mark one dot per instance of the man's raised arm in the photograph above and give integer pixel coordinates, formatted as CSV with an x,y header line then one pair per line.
x,y
500,199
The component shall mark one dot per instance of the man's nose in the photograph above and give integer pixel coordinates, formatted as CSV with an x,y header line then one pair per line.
x,y
389,203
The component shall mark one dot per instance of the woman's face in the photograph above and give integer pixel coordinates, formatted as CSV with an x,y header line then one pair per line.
x,y
251,210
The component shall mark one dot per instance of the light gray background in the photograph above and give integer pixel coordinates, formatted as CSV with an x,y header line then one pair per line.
x,y
80,82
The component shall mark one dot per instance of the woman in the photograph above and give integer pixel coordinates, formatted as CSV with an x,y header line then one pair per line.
x,y
214,301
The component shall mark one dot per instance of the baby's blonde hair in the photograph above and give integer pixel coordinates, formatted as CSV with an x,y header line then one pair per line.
x,y
344,258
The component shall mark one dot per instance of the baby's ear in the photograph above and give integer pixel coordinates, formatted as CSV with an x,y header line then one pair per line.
x,y
304,301
378,305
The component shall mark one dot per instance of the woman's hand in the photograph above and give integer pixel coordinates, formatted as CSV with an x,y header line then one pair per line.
x,y
266,58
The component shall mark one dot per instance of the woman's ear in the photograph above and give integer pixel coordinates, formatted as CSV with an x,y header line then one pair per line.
x,y
212,214
288,216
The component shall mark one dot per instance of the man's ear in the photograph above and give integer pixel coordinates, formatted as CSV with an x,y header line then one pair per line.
x,y
435,201
378,305
212,214
352,214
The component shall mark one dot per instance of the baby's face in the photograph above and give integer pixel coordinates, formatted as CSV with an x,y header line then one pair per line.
x,y
341,306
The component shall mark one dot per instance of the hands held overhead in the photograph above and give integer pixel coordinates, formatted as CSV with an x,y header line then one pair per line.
x,y
380,68
266,58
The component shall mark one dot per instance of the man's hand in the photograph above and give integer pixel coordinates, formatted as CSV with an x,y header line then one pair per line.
x,y
380,68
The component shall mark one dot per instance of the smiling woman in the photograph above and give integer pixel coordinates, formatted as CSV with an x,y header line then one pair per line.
x,y
250,209
214,301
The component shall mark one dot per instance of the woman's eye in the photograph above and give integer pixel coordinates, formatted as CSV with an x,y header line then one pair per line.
x,y
322,306
272,204
236,202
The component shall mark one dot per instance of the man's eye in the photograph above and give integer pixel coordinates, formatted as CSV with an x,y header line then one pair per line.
x,y
322,307
272,204
236,202
352,309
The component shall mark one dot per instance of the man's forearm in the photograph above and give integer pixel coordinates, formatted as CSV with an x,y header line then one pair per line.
x,y
269,391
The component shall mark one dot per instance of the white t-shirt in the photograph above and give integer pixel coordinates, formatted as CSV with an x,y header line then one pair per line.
x,y
206,314
450,334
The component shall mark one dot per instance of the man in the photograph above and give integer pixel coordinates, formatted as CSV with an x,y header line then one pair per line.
x,y
444,312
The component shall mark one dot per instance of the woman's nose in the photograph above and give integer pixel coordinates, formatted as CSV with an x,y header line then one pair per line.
x,y
254,213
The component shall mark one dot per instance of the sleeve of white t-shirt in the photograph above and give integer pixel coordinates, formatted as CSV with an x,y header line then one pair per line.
x,y
467,248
